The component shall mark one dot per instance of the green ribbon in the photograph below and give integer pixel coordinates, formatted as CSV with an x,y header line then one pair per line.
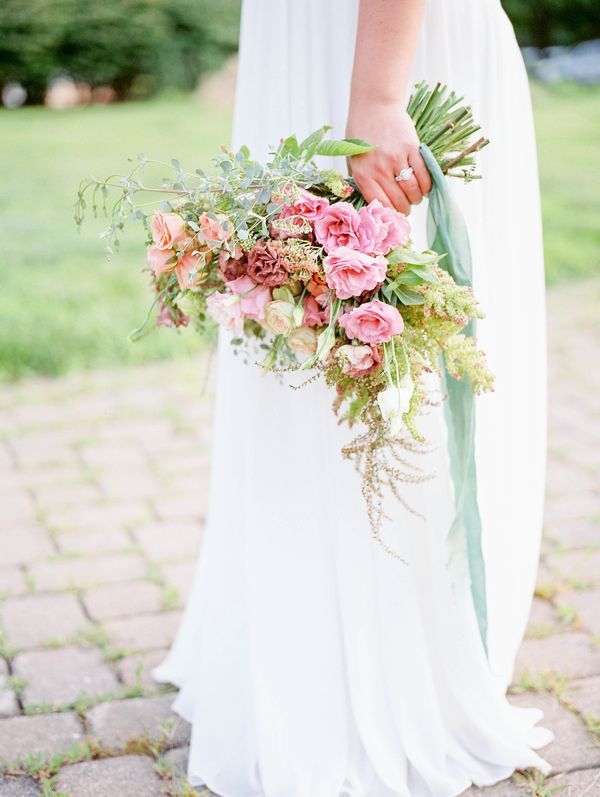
x,y
447,232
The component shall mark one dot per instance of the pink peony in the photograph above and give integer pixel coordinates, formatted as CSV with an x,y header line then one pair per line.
x,y
351,273
254,298
381,229
315,315
168,229
338,226
226,311
372,322
161,260
359,360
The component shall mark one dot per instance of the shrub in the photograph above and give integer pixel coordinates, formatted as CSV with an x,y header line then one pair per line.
x,y
170,43
544,22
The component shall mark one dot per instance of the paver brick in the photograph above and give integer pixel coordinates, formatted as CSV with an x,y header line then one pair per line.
x,y
144,632
81,572
66,495
117,722
169,540
572,747
9,705
12,581
118,600
572,654
93,541
18,787
584,783
585,696
136,669
578,566
587,605
506,788
187,506
180,575
25,544
124,776
56,677
33,620
100,515
42,734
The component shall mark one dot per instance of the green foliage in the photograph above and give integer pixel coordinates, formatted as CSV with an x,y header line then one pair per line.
x,y
544,22
135,46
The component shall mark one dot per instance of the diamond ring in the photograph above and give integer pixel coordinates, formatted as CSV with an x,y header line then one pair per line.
x,y
405,174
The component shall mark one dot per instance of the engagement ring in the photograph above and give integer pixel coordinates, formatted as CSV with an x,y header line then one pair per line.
x,y
405,174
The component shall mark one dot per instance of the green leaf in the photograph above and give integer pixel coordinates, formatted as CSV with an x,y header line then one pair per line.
x,y
345,148
425,274
310,143
290,145
403,255
403,294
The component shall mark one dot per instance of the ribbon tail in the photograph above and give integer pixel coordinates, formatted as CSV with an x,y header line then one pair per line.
x,y
448,233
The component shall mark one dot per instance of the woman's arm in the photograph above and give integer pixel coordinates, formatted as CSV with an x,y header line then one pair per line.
x,y
386,41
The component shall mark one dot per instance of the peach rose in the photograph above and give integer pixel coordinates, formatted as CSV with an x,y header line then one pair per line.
x,y
372,322
160,260
279,317
351,273
168,230
214,230
359,360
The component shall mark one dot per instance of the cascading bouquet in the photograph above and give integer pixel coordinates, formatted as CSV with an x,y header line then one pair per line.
x,y
289,258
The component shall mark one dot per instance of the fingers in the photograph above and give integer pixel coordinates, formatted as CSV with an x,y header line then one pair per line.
x,y
421,172
410,187
371,190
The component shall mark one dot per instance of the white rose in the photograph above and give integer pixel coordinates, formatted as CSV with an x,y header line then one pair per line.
x,y
394,402
303,340
279,317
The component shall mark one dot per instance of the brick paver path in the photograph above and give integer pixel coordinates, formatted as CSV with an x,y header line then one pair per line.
x,y
102,493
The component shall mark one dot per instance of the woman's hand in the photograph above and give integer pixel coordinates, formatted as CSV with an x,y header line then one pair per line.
x,y
391,130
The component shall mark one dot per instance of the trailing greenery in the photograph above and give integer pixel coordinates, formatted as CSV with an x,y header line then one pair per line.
x,y
135,46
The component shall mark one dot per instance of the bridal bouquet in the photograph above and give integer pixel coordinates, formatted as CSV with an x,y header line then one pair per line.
x,y
289,259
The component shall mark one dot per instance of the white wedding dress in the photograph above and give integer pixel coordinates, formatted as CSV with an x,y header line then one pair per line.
x,y
312,663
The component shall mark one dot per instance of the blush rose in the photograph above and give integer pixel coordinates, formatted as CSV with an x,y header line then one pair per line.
x,y
350,273
372,322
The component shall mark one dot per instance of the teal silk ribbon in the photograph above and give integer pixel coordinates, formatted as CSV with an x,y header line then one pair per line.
x,y
447,232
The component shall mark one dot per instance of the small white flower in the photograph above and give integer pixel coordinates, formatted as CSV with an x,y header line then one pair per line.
x,y
394,402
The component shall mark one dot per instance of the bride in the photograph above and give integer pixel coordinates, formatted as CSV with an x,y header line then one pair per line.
x,y
310,662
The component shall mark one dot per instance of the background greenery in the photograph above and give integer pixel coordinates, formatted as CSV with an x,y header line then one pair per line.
x,y
63,306
135,46
545,22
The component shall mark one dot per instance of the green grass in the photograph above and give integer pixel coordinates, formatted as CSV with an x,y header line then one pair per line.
x,y
567,121
64,307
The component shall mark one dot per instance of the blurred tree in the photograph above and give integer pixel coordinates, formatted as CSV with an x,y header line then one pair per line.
x,y
544,22
136,46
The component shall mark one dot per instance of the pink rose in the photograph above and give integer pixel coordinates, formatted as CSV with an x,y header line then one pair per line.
x,y
381,229
161,260
338,226
315,315
254,298
351,273
214,230
359,360
168,229
225,309
305,210
372,322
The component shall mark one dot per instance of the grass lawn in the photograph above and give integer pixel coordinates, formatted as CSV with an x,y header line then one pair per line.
x,y
63,306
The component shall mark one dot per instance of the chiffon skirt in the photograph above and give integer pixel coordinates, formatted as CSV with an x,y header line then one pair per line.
x,y
310,662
